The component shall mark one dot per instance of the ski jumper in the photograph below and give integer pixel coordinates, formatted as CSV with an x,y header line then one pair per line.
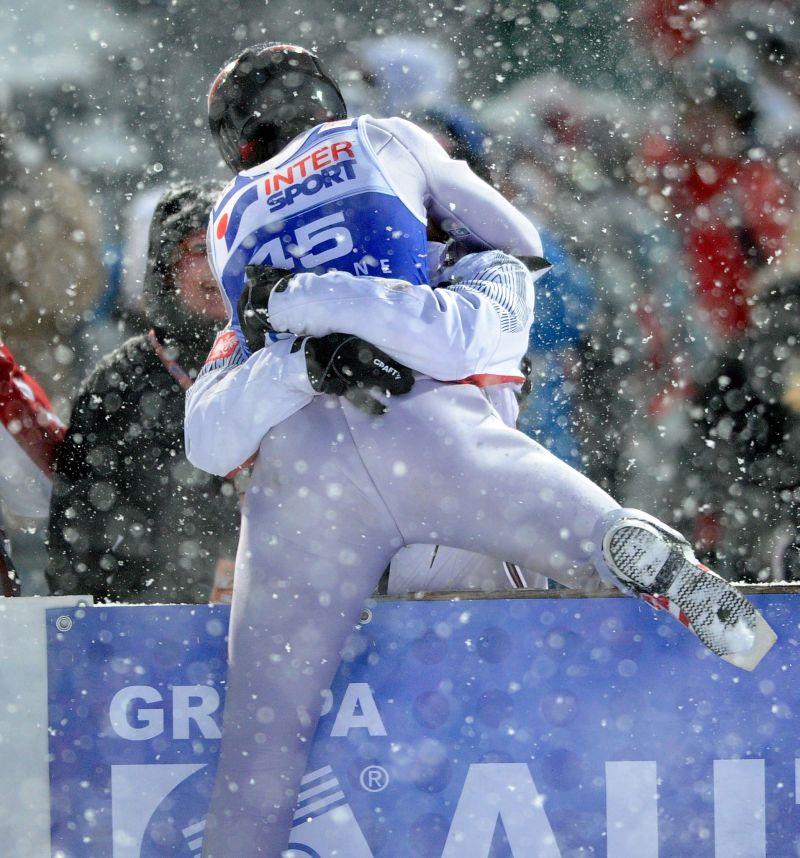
x,y
336,492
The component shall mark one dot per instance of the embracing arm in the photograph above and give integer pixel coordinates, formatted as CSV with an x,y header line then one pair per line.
x,y
251,383
239,396
236,401
447,333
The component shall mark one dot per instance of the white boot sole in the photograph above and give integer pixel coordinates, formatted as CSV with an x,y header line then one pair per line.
x,y
717,613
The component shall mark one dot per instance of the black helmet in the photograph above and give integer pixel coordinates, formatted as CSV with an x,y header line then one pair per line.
x,y
265,97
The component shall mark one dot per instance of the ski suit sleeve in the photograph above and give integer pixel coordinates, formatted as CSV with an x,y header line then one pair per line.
x,y
463,204
238,397
447,333
234,403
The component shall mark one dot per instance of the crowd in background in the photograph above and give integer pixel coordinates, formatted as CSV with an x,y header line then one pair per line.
x,y
664,362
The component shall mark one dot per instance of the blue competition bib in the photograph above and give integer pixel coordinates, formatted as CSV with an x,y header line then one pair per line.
x,y
326,206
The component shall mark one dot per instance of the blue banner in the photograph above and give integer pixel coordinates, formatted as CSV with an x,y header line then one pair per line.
x,y
472,729
135,698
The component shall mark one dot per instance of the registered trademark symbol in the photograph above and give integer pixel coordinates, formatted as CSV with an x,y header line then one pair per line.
x,y
374,778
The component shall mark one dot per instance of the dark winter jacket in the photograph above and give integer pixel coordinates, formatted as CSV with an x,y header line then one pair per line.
x,y
131,519
744,463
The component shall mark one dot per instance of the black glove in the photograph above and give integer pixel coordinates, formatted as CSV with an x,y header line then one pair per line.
x,y
260,282
348,366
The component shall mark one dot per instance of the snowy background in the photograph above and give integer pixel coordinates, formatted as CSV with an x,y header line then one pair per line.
x,y
657,144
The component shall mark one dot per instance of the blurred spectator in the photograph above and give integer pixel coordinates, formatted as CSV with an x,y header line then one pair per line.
x,y
29,435
671,27
50,262
745,460
771,31
646,332
735,209
733,205
789,260
565,297
564,302
131,519
413,76
408,73
575,170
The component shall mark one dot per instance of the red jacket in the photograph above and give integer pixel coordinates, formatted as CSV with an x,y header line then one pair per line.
x,y
672,26
29,435
733,216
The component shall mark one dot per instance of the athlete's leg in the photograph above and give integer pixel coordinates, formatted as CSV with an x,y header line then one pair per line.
x,y
452,473
490,489
315,539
